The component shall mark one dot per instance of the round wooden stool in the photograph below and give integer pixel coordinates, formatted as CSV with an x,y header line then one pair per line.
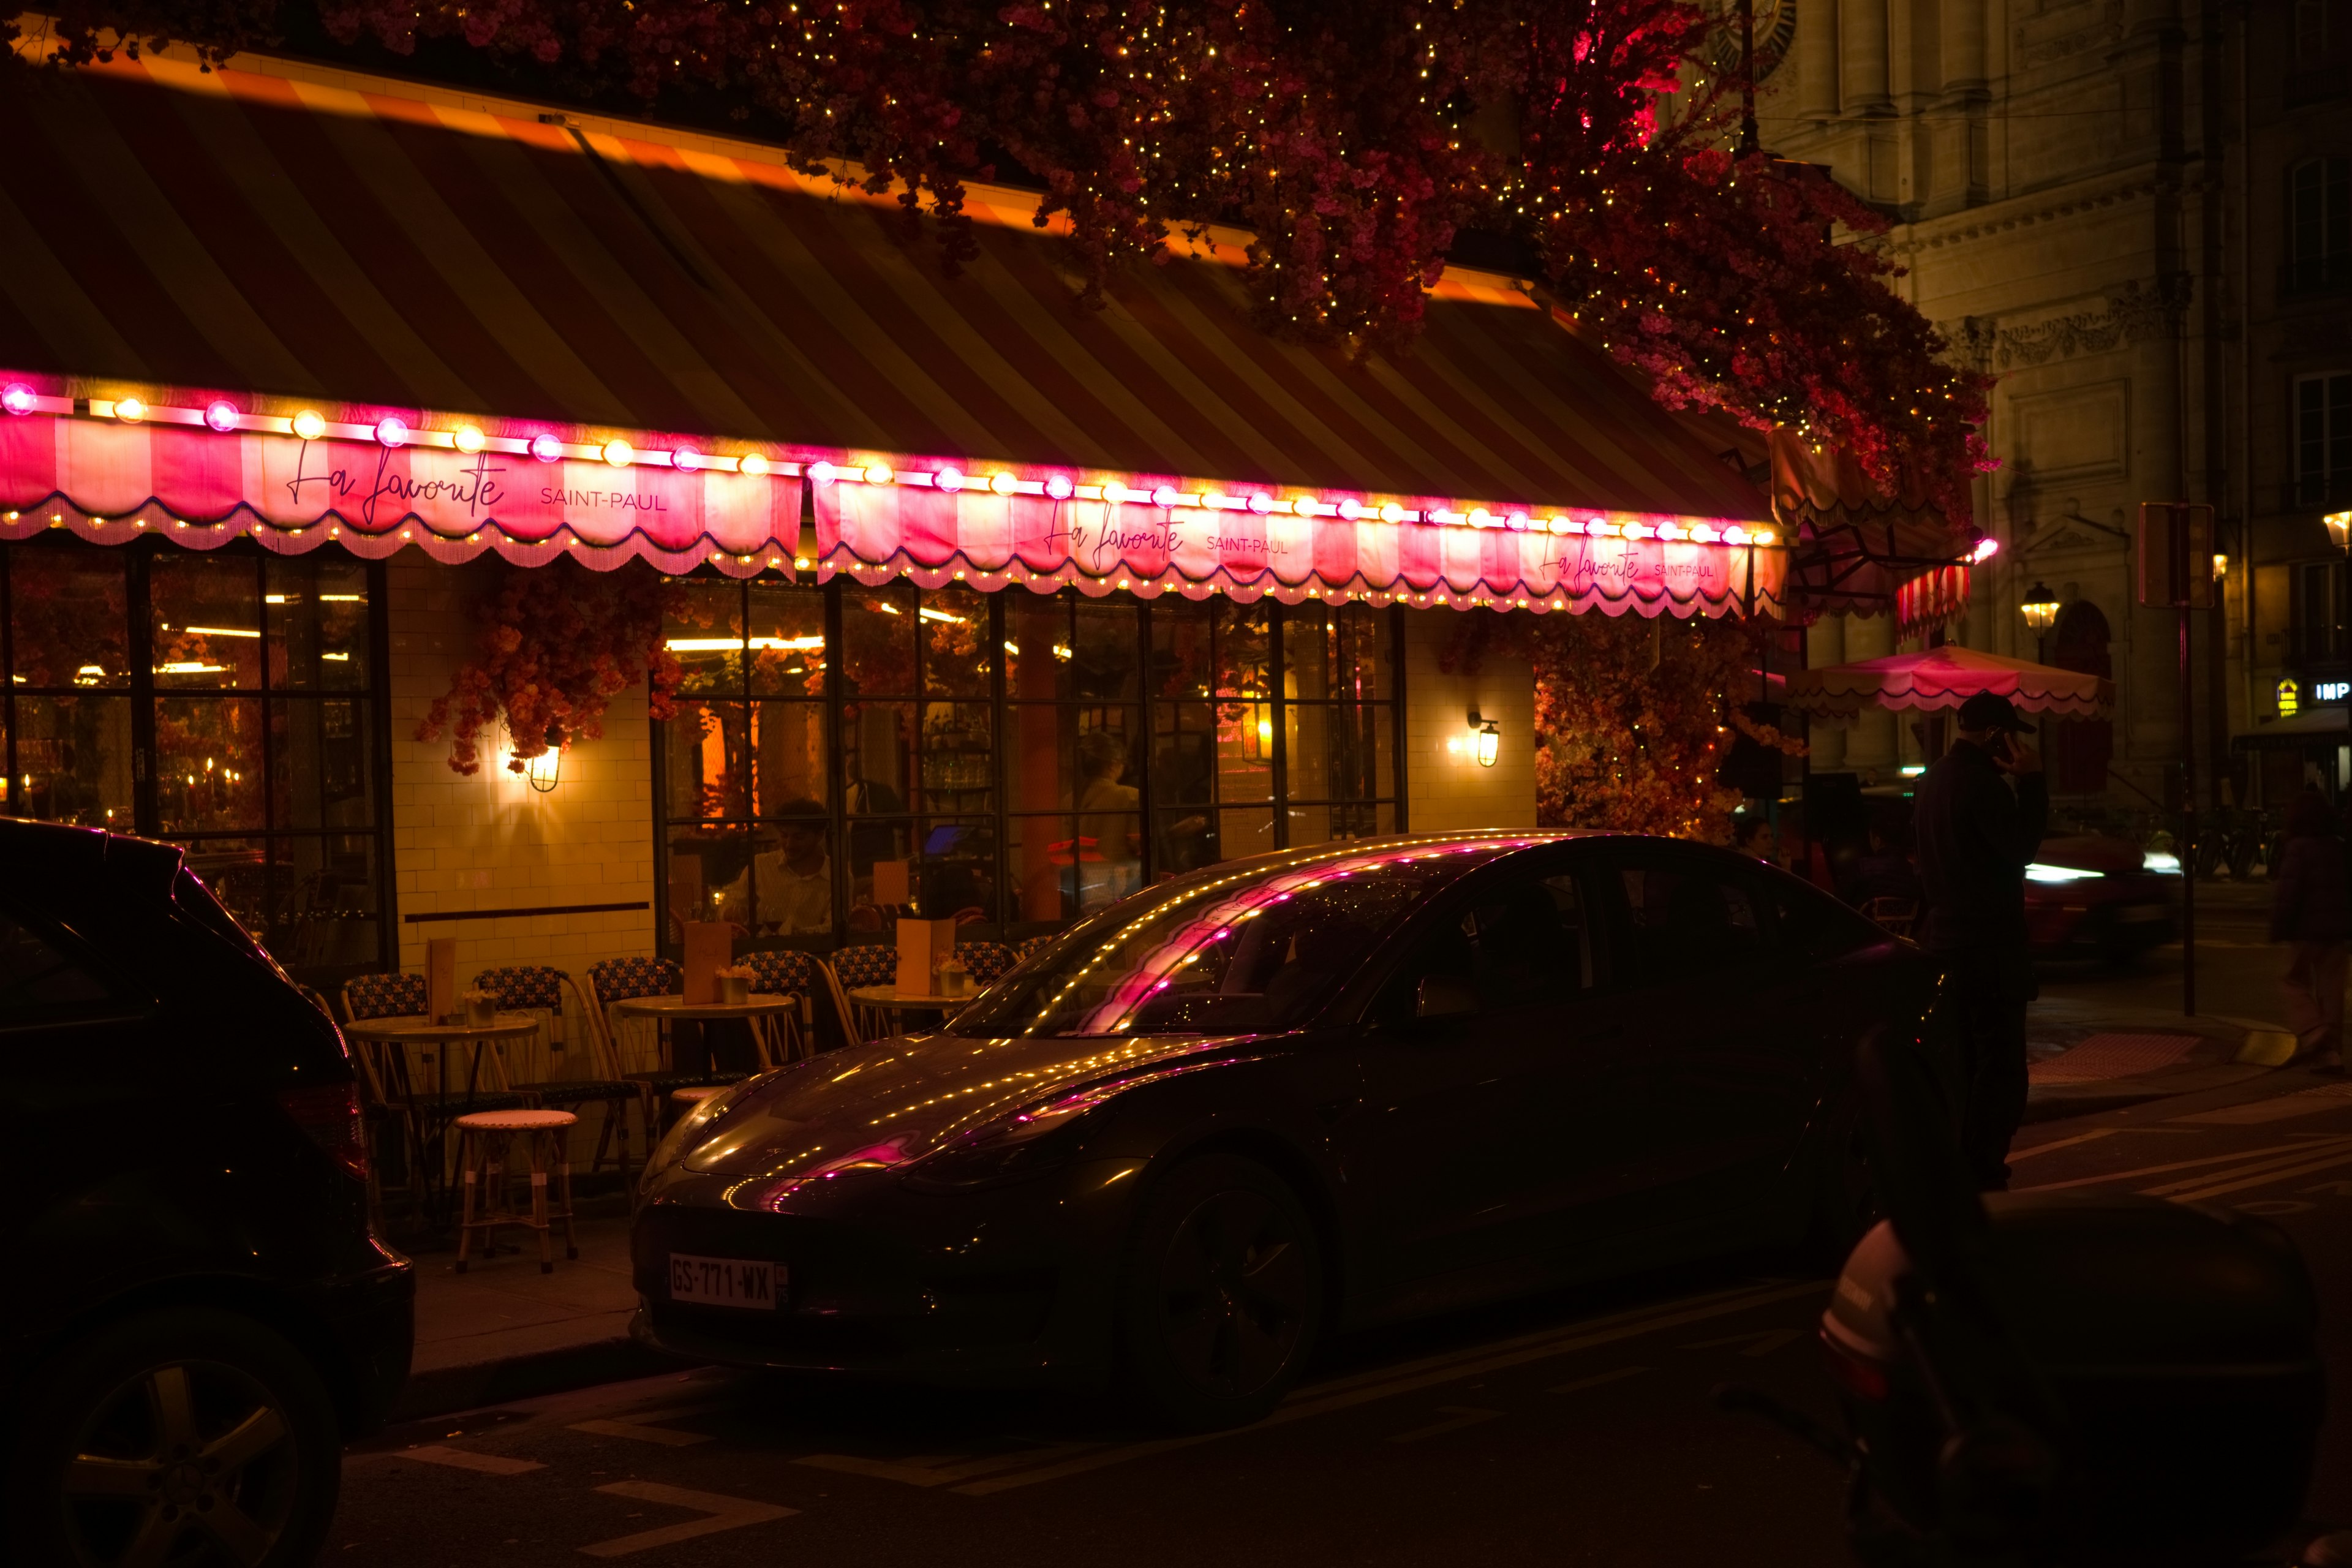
x,y
483,1139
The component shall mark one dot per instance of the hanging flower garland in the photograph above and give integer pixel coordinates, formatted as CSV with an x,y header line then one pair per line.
x,y
557,644
1353,141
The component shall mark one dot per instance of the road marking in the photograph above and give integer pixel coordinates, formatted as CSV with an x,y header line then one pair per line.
x,y
1457,1418
2279,1108
2333,1189
724,1513
669,1436
1582,1384
459,1459
2095,1133
935,1470
1346,1392
1764,1342
2313,1142
2275,1207
2274,1173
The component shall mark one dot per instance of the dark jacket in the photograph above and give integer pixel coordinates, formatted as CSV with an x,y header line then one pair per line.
x,y
2309,902
1976,837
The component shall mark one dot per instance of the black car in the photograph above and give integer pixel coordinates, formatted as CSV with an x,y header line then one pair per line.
x,y
1312,1091
197,1314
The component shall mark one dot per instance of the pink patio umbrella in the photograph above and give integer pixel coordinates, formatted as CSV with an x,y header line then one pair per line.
x,y
1946,678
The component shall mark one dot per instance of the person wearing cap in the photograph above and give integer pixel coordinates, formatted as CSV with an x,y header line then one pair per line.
x,y
2311,913
1979,814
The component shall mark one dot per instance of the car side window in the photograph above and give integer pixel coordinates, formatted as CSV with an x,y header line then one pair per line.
x,y
1683,918
40,984
1523,940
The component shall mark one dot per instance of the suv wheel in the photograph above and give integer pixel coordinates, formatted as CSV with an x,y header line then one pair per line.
x,y
194,1437
1223,1296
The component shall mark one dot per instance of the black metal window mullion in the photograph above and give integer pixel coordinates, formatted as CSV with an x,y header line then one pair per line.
x,y
269,839
379,712
11,789
1396,719
139,643
1145,823
1280,708
999,793
835,797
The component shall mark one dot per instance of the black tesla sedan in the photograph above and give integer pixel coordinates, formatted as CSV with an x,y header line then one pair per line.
x,y
197,1315
1312,1090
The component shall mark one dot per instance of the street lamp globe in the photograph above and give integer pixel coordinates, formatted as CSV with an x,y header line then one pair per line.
x,y
2040,607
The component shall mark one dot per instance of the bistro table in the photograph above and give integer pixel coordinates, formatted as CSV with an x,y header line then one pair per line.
x,y
890,999
763,1010
419,1030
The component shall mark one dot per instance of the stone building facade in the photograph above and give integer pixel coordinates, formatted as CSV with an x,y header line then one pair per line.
x,y
2137,214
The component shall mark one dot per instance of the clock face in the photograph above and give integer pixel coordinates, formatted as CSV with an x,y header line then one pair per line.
x,y
1776,29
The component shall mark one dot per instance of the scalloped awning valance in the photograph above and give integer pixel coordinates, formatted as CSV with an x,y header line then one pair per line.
x,y
297,305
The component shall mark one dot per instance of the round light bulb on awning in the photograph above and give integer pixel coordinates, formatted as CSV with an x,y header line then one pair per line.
x,y
309,424
468,438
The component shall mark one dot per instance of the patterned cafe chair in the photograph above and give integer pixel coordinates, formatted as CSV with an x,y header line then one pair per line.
x,y
611,980
589,1076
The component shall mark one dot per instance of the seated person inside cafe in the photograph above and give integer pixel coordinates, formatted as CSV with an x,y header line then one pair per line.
x,y
788,891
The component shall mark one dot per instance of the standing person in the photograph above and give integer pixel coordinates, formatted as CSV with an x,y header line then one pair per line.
x,y
1979,816
2312,913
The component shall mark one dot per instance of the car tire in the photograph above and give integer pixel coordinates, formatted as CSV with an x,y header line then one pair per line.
x,y
1221,1297
203,1426
1843,1194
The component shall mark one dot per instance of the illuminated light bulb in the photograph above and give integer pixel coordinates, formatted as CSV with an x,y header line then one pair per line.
x,y
686,459
620,454
1561,525
1165,496
1764,536
1482,518
1002,483
1261,504
546,447
221,415
1058,486
1735,535
1517,522
392,432
1350,511
821,472
309,424
754,464
1391,512
879,474
1705,534
1306,506
17,398
948,479
468,438
130,410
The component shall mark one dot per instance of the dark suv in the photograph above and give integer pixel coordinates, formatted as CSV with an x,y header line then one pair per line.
x,y
197,1314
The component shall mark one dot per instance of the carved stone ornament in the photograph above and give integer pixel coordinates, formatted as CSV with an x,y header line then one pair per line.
x,y
2130,313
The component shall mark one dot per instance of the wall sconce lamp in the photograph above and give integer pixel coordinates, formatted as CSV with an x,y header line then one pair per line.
x,y
2339,529
545,770
1485,739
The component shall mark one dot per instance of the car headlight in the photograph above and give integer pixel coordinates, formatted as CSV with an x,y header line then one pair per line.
x,y
687,1130
2159,860
2037,872
1035,1138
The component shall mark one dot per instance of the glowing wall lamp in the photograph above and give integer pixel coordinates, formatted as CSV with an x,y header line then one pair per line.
x,y
2040,607
545,770
1485,739
2339,529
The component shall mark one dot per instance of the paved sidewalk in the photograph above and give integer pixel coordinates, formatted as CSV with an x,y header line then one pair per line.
x,y
504,1330
2091,1056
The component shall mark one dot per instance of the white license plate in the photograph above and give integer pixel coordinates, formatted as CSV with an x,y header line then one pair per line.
x,y
2139,913
727,1283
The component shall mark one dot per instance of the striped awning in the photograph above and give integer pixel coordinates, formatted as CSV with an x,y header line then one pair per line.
x,y
641,310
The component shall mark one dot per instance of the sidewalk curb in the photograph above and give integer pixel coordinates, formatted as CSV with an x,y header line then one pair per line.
x,y
446,1389
2254,1053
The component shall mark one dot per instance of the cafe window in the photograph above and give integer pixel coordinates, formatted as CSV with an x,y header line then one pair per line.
x,y
1018,760
230,702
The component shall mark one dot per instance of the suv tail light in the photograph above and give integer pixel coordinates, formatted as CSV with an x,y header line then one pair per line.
x,y
331,1114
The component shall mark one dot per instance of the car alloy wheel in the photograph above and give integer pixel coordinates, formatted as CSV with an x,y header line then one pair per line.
x,y
1233,1282
1224,1293
191,1461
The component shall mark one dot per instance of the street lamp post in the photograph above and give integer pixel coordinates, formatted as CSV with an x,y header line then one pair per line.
x,y
2040,608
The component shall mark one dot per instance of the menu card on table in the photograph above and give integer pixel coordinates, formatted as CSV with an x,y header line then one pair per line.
x,y
923,946
441,979
709,948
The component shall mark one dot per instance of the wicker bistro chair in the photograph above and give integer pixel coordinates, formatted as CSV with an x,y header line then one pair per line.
x,y
1896,916
402,1108
782,972
987,962
614,980
538,988
869,964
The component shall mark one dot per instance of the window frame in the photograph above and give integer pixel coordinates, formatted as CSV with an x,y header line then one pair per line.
x,y
1005,815
2319,479
137,560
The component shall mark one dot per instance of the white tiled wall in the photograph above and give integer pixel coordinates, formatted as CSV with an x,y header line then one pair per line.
x,y
490,841
1447,788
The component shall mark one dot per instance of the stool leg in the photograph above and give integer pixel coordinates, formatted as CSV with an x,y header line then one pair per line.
x,y
467,1148
539,1202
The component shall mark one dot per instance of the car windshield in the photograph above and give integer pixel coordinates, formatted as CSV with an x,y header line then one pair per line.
x,y
1249,951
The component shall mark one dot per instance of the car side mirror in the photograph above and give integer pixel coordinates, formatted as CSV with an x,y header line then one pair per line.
x,y
1443,996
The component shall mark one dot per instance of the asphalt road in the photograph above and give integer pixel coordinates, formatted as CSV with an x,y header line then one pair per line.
x,y
1569,1430
2237,968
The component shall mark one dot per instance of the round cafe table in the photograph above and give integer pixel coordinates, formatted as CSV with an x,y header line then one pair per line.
x,y
429,1121
890,999
763,1010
